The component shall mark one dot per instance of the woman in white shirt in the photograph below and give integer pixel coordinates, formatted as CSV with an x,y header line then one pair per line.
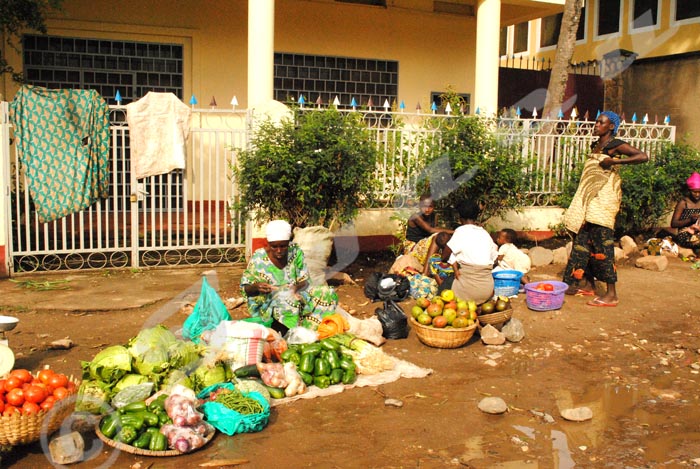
x,y
471,252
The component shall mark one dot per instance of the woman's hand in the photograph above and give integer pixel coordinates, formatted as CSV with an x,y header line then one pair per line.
x,y
607,163
259,288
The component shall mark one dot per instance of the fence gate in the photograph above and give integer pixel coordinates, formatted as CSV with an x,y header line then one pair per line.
x,y
184,217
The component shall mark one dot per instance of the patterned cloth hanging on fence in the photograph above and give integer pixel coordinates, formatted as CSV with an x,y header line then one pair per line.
x,y
62,138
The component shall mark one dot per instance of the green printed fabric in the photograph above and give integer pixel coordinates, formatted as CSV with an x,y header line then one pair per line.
x,y
62,137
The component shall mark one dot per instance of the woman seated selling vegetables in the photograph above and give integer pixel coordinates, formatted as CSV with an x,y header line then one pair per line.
x,y
276,284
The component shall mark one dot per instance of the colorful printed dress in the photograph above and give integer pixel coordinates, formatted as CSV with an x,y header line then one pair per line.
x,y
316,301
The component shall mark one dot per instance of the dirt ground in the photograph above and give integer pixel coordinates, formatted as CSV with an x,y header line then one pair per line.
x,y
635,366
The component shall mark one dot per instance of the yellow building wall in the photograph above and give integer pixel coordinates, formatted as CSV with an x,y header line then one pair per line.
x,y
669,38
433,51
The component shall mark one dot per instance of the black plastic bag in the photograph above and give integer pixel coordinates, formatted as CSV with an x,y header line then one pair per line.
x,y
398,290
394,321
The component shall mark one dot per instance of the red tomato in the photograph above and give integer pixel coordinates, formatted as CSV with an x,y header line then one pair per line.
x,y
35,394
58,380
2,407
30,408
10,410
548,287
60,393
15,397
44,375
2,386
46,405
24,375
12,382
70,387
25,386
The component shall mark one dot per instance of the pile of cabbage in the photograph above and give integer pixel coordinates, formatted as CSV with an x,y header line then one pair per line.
x,y
153,360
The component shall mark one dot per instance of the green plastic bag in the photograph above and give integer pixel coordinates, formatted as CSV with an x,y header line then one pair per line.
x,y
209,311
229,421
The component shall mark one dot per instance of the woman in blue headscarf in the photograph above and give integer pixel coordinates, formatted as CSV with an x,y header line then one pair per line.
x,y
591,215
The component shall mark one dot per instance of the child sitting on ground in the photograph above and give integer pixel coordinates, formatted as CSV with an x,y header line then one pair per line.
x,y
510,257
435,266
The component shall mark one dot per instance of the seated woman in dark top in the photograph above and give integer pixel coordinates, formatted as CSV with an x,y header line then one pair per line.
x,y
685,216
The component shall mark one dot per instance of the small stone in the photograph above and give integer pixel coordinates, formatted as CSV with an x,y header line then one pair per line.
x,y
493,405
695,366
61,344
513,330
67,449
492,336
583,447
393,402
578,414
491,363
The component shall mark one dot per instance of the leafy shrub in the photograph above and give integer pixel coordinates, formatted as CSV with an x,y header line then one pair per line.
x,y
649,190
311,170
468,161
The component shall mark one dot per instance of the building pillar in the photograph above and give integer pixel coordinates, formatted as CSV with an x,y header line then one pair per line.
x,y
488,27
261,51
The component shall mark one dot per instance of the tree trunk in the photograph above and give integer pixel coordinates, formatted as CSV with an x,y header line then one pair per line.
x,y
565,50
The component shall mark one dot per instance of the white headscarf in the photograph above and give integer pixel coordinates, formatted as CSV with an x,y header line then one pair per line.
x,y
278,230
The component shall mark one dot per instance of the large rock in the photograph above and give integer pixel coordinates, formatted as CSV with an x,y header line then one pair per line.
x,y
619,254
628,245
540,256
685,252
493,405
560,256
513,330
653,263
492,336
578,414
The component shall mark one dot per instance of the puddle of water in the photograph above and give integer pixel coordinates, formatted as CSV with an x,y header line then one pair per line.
x,y
621,408
562,456
529,432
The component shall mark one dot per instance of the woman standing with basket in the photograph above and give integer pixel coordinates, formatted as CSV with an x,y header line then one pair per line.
x,y
592,213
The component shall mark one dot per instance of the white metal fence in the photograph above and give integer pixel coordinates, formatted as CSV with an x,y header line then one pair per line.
x,y
183,217
186,216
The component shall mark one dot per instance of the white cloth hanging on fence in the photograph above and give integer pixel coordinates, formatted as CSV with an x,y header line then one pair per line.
x,y
159,124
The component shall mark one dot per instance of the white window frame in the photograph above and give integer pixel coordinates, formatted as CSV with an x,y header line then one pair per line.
x,y
672,20
644,29
597,35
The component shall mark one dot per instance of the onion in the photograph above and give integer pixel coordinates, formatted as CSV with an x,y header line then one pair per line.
x,y
180,421
182,445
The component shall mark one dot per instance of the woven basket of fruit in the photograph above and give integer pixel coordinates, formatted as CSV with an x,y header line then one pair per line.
x,y
546,295
495,312
37,414
448,337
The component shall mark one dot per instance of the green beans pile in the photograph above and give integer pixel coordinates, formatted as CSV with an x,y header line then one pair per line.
x,y
234,400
